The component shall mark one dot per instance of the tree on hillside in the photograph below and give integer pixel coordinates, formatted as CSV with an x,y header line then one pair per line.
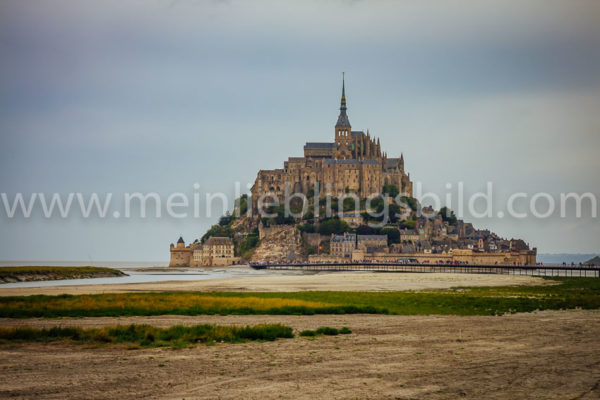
x,y
391,190
350,204
308,228
408,224
250,242
333,225
241,204
410,202
367,230
393,235
279,216
226,219
217,230
447,215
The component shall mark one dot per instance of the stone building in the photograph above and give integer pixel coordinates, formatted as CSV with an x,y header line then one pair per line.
x,y
409,235
372,243
180,254
348,243
342,245
216,251
353,163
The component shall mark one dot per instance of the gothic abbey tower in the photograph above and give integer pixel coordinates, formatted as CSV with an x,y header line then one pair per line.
x,y
353,163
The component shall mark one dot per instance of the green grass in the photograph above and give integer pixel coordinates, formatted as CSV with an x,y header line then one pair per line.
x,y
10,274
326,330
148,336
567,293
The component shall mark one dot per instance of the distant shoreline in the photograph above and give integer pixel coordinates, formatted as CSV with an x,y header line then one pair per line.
x,y
50,273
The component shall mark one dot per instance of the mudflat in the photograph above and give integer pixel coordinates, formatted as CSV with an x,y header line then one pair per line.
x,y
550,354
278,282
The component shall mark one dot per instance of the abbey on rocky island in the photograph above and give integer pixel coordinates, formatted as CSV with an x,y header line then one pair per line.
x,y
352,163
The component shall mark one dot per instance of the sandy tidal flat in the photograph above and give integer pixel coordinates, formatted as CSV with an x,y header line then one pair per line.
x,y
278,282
550,354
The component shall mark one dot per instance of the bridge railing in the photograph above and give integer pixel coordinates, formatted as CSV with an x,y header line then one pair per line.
x,y
530,270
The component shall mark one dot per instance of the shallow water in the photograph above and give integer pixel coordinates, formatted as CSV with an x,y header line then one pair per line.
x,y
138,272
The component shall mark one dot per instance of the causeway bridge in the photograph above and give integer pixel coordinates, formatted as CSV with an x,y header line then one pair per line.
x,y
530,270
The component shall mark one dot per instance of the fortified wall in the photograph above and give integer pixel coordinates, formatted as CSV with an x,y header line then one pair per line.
x,y
523,257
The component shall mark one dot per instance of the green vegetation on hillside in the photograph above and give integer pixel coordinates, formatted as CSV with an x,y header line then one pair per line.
x,y
249,243
148,336
391,191
393,235
219,230
448,215
568,293
244,239
327,227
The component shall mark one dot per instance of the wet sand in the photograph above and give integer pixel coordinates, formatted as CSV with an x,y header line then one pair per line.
x,y
278,282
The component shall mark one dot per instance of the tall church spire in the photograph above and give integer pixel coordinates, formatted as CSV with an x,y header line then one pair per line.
x,y
343,118
343,103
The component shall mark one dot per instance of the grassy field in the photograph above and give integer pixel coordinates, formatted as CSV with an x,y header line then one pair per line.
x,y
148,336
568,293
23,274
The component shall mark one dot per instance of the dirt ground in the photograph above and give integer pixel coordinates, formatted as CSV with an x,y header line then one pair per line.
x,y
278,282
550,354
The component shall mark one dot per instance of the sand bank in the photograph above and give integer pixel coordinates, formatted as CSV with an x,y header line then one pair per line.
x,y
278,282
551,354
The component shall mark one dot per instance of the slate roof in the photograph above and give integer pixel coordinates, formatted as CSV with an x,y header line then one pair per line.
x,y
219,240
343,120
319,145
372,237
351,237
424,244
392,162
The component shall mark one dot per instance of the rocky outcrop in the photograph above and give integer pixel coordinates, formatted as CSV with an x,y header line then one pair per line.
x,y
279,243
242,224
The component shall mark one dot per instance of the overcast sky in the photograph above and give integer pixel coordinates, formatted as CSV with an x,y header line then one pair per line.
x,y
151,96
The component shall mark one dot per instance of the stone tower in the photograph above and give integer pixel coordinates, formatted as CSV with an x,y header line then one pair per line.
x,y
343,130
342,127
181,255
